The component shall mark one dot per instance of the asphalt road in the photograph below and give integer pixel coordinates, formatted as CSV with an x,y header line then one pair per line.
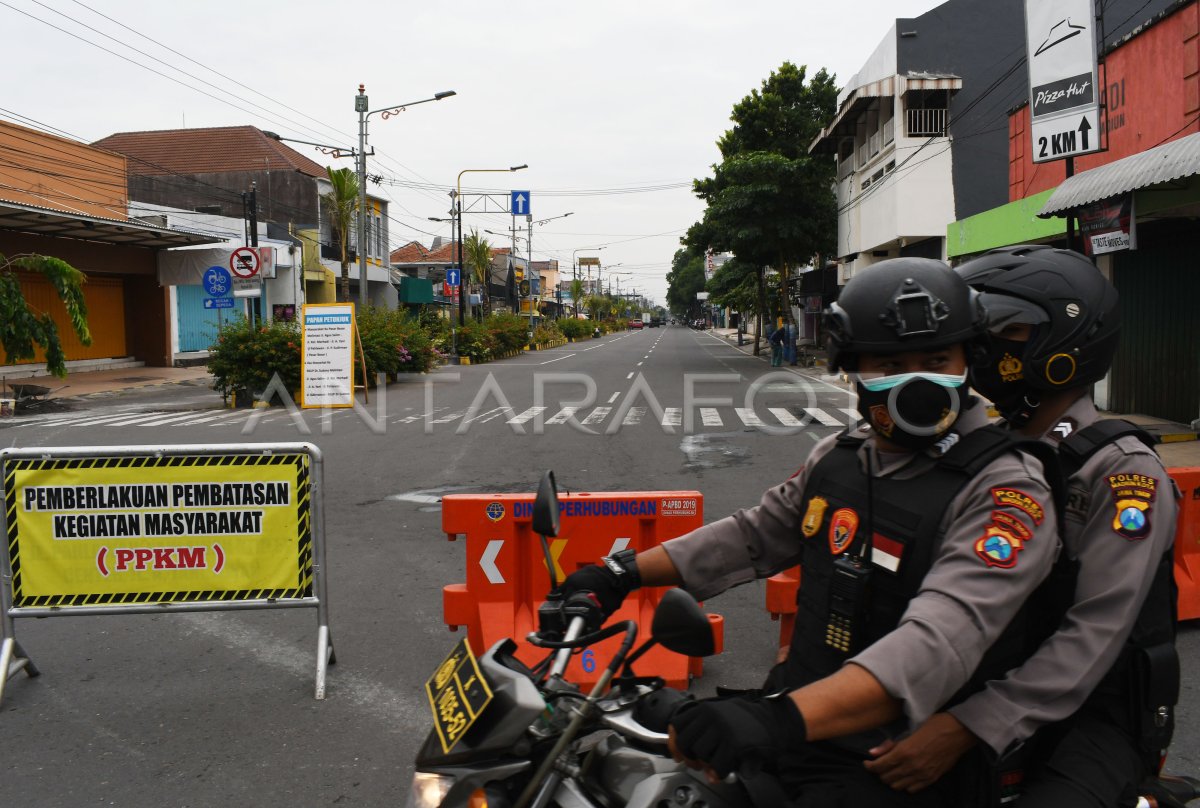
x,y
206,709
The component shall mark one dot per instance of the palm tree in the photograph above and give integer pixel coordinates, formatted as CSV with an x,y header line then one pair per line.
x,y
22,327
342,204
477,255
577,293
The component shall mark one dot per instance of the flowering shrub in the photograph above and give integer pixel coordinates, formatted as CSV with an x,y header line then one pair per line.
x,y
574,328
546,333
509,331
246,356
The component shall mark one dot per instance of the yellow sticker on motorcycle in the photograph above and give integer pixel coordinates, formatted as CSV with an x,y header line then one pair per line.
x,y
458,694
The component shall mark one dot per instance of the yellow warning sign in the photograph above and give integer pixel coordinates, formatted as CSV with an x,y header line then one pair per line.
x,y
163,529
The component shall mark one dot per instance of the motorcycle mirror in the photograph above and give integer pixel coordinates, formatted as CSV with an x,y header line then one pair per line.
x,y
545,507
680,625
545,519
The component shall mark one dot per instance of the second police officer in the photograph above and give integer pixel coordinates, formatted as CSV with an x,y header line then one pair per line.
x,y
920,538
1110,674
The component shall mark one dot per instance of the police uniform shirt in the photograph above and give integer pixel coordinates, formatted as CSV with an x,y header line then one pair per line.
x,y
1119,520
965,600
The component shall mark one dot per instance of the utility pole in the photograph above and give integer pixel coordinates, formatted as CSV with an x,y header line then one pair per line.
x,y
360,106
250,204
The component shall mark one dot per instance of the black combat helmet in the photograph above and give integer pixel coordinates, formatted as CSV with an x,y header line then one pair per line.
x,y
901,304
1072,307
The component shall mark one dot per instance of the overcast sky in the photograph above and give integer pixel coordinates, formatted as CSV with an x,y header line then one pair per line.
x,y
597,98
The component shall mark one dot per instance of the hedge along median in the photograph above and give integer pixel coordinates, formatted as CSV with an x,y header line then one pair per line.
x,y
246,356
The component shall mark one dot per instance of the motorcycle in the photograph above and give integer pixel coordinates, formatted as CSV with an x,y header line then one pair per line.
x,y
507,735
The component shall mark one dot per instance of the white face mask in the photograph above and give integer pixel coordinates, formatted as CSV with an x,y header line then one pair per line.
x,y
876,383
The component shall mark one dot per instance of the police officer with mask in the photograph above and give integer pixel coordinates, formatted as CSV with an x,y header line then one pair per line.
x,y
1110,670
920,536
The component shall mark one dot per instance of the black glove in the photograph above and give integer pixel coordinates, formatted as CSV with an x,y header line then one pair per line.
x,y
609,582
725,733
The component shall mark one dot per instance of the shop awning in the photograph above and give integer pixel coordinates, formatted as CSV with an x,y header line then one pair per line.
x,y
845,123
1170,161
61,224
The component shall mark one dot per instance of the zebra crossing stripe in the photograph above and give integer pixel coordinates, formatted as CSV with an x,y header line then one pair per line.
x,y
563,415
673,416
709,416
634,416
168,419
598,415
785,417
748,416
823,417
853,413
526,416
454,416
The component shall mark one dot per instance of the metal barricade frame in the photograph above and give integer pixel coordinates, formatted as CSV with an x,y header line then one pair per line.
x,y
14,658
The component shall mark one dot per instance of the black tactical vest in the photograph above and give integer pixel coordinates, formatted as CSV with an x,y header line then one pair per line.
x,y
1141,689
904,517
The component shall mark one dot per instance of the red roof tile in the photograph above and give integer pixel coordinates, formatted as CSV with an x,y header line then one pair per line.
x,y
204,151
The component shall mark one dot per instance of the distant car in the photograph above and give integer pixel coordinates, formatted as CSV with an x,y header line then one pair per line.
x,y
635,324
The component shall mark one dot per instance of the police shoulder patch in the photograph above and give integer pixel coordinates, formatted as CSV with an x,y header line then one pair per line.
x,y
998,546
1133,495
1016,498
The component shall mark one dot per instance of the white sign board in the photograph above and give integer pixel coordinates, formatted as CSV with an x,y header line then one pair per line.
x,y
327,361
1064,101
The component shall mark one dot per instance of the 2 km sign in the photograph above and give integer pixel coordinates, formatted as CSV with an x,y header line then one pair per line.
x,y
1064,103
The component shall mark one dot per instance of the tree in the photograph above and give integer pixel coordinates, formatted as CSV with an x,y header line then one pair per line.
x,y
341,204
769,202
23,328
684,281
576,293
477,256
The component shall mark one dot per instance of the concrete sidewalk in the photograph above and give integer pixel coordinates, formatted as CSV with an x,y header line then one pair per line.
x,y
80,384
1179,446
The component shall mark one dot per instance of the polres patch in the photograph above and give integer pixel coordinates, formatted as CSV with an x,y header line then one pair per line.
x,y
1133,495
842,528
998,547
494,511
1016,498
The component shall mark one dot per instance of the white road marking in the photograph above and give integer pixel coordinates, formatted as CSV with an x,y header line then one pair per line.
x,y
748,416
613,398
785,417
634,416
709,416
672,416
526,416
563,415
820,415
597,415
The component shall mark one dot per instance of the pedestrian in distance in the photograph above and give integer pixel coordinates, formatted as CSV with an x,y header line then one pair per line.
x,y
776,340
1100,692
921,534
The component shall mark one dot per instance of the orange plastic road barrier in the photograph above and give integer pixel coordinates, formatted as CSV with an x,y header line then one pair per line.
x,y
781,602
1187,541
507,578
781,588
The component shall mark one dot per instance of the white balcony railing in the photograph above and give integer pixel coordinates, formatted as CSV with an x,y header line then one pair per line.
x,y
926,122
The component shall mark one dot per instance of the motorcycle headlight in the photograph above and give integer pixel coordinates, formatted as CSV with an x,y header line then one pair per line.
x,y
429,789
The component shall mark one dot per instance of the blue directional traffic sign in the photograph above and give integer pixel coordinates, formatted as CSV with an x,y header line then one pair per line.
x,y
520,203
218,303
217,283
452,277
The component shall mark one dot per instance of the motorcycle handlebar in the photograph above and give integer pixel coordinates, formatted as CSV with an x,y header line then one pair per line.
x,y
563,655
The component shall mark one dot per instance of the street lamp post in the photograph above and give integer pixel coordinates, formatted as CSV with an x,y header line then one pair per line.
x,y
458,244
360,106
529,244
